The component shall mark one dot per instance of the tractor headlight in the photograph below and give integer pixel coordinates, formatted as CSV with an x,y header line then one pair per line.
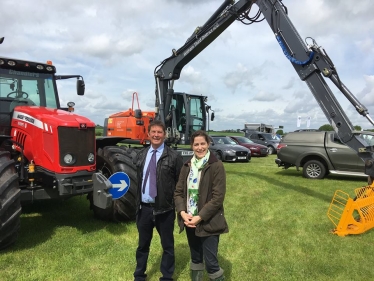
x,y
69,159
91,157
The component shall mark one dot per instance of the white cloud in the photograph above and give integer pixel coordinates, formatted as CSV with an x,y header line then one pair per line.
x,y
116,46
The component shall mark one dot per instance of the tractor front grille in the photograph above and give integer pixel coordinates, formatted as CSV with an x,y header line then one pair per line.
x,y
77,142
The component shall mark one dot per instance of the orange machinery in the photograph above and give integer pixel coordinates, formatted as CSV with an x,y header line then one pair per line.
x,y
131,124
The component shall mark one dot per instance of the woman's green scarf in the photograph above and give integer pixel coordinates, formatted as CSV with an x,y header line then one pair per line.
x,y
193,182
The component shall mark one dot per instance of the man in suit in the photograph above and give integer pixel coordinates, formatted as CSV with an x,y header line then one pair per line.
x,y
158,168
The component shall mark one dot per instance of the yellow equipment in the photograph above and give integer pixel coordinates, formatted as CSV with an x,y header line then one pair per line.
x,y
352,216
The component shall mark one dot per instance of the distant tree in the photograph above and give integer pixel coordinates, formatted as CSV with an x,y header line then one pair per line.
x,y
280,132
357,128
326,127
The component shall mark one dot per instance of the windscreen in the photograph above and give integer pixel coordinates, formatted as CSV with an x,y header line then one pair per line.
x,y
271,137
28,88
244,140
194,111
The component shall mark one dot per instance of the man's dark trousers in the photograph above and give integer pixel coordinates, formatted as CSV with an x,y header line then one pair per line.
x,y
164,224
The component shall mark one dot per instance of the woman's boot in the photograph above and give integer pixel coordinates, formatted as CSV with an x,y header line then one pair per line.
x,y
221,278
197,271
217,276
197,275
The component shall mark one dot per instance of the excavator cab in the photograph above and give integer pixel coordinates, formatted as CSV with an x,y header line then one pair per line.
x,y
190,115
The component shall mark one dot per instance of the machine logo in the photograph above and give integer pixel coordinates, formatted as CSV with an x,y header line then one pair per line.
x,y
21,124
26,118
83,126
23,117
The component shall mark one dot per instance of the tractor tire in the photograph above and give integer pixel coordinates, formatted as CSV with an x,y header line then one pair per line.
x,y
10,204
314,169
112,159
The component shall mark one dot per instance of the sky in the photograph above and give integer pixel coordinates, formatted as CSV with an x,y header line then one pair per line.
x,y
116,45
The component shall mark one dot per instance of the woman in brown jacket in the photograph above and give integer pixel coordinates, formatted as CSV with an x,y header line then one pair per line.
x,y
198,197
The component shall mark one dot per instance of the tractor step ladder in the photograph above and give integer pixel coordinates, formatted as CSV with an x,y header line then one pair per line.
x,y
352,216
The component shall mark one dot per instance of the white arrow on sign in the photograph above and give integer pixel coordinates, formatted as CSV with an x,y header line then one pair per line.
x,y
121,186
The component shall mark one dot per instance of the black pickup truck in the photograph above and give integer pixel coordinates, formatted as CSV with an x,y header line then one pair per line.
x,y
319,153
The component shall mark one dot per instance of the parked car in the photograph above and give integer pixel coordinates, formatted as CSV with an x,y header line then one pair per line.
x,y
255,148
267,139
319,153
307,130
226,149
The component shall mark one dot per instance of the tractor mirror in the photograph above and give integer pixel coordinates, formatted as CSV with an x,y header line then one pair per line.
x,y
212,116
80,87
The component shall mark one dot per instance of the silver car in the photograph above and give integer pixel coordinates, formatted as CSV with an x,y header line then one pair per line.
x,y
267,139
226,149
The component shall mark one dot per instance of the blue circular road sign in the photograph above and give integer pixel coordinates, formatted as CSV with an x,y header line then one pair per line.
x,y
120,184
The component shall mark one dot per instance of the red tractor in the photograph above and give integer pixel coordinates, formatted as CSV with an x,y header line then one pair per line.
x,y
47,151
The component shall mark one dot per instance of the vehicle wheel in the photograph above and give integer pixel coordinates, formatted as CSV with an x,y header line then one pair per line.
x,y
270,150
10,204
248,158
112,159
370,180
219,155
314,169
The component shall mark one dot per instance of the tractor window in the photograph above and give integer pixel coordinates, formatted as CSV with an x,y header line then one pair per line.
x,y
26,88
50,94
30,87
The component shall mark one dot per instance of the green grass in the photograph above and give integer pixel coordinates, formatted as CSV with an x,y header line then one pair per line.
x,y
278,231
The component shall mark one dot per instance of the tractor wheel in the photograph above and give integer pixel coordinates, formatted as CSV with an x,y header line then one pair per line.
x,y
10,204
314,169
112,159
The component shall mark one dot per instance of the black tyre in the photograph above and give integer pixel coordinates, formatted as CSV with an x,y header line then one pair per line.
x,y
370,180
248,158
219,155
10,204
314,169
270,150
112,159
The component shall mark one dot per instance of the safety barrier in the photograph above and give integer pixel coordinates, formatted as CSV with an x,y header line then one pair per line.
x,y
352,216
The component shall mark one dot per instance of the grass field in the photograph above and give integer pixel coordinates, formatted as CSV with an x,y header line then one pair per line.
x,y
278,231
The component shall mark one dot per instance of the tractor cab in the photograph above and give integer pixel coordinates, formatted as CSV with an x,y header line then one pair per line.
x,y
24,83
